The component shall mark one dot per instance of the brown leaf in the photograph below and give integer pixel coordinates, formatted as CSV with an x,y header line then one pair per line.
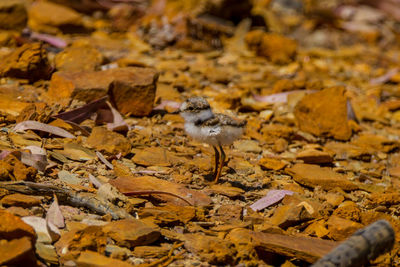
x,y
34,125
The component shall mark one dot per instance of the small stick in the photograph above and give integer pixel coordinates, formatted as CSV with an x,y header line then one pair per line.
x,y
154,192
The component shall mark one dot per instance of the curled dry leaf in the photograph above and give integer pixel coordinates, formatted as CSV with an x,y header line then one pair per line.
x,y
96,183
272,197
104,160
38,161
118,123
35,125
54,214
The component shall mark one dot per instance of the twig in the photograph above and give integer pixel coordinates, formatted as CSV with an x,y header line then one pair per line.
x,y
68,196
154,192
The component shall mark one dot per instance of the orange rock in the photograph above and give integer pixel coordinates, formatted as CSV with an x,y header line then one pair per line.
x,y
78,57
21,200
131,89
348,210
387,199
313,156
53,18
5,171
27,62
150,252
290,215
326,178
318,229
12,227
108,141
131,232
340,229
17,252
272,164
156,156
277,48
13,15
24,173
211,249
168,215
324,113
94,259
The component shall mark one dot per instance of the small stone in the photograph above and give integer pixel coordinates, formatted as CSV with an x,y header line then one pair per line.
x,y
68,177
272,164
340,229
280,145
24,173
26,62
5,171
12,227
211,249
313,156
78,57
168,215
47,252
324,113
13,15
108,141
226,190
53,18
348,210
248,146
131,232
156,156
20,200
290,215
318,229
275,47
313,175
17,252
334,199
41,229
150,252
386,199
94,259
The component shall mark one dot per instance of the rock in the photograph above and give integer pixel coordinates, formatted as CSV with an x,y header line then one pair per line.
x,y
150,252
131,232
21,200
324,113
248,146
93,259
334,199
12,227
290,215
243,241
305,248
170,215
318,229
156,156
78,57
348,210
42,230
143,183
108,141
26,62
17,252
13,15
53,18
345,151
313,156
229,213
340,229
313,175
225,190
23,173
277,48
47,252
211,249
386,199
5,171
272,164
131,89
68,177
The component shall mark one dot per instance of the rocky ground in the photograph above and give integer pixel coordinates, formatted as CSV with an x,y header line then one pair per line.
x,y
96,169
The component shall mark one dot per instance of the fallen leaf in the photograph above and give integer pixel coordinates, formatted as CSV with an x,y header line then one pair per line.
x,y
272,197
35,125
54,214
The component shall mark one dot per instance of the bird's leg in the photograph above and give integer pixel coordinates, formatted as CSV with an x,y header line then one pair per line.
x,y
216,162
221,164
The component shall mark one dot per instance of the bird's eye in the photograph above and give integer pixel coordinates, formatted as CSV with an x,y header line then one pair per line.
x,y
190,108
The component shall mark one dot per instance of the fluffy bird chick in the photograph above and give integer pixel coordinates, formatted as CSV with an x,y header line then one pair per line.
x,y
210,128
